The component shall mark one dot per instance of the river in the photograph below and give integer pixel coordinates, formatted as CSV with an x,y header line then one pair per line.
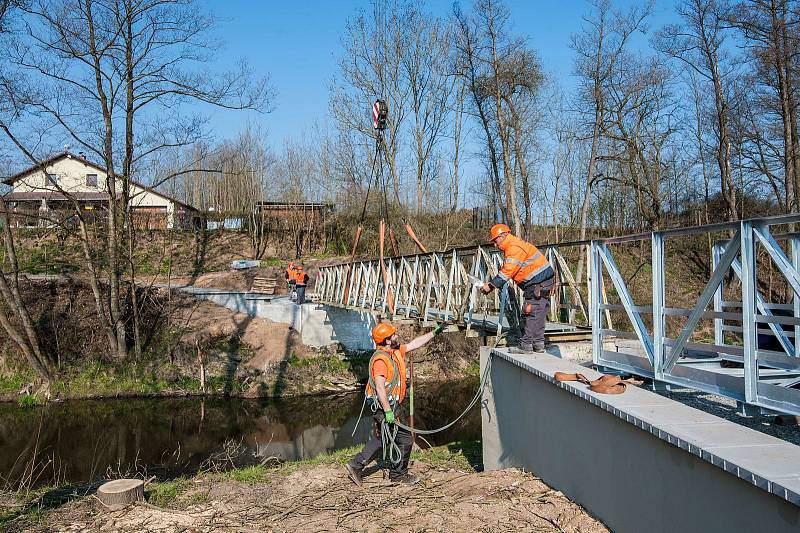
x,y
84,440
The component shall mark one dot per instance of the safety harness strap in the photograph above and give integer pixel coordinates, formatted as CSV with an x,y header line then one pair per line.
x,y
390,385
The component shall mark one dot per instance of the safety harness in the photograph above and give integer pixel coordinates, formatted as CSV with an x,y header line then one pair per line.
x,y
388,431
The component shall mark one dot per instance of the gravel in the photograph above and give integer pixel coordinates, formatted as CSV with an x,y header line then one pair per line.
x,y
783,427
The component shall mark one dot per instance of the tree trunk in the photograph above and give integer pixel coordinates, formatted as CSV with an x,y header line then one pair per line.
x,y
598,118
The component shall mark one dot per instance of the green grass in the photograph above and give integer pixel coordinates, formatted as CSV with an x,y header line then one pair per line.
x,y
466,456
45,259
474,368
327,363
30,401
262,473
27,515
271,262
11,384
98,379
166,492
32,505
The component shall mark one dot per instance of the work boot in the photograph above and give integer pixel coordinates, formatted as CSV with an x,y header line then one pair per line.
x,y
354,474
406,479
538,348
522,349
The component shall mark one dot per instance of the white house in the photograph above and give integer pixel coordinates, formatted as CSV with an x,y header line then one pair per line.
x,y
39,197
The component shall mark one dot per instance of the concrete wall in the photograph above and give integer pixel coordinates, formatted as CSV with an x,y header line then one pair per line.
x,y
319,325
630,479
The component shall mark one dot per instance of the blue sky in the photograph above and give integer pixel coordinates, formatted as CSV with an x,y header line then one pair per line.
x,y
298,43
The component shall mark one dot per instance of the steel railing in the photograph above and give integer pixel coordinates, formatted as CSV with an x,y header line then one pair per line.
x,y
436,287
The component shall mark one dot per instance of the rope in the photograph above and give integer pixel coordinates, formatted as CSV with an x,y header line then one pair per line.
x,y
369,186
389,431
481,387
388,438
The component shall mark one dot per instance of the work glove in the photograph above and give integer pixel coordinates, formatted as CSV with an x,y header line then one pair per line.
x,y
389,416
438,329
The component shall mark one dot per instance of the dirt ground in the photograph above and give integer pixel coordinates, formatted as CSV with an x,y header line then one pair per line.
x,y
242,280
271,342
321,498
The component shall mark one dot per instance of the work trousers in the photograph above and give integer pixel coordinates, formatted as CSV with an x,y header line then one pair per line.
x,y
301,294
373,449
291,287
535,307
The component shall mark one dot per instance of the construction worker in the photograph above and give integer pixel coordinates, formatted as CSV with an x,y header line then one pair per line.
x,y
385,392
300,280
532,272
290,279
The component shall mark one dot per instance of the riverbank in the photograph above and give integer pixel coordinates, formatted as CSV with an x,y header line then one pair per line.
x,y
454,494
228,375
196,347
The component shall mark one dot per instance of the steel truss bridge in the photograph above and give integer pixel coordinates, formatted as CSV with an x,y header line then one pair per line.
x,y
740,339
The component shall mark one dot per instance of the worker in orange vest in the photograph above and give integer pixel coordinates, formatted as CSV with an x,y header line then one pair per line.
x,y
385,392
300,280
290,279
531,271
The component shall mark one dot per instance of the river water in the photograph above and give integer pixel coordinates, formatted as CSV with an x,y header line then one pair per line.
x,y
84,440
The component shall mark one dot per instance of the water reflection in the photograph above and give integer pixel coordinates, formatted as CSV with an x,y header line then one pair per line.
x,y
80,440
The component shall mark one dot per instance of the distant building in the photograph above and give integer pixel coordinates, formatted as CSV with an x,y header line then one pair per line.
x,y
37,199
308,214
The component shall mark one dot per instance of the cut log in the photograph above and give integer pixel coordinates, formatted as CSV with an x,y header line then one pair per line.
x,y
121,492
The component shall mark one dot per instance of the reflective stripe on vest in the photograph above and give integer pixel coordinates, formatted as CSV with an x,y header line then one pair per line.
x,y
393,386
522,259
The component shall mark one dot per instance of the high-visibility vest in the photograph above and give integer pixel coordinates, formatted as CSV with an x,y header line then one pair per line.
x,y
522,262
291,273
396,374
300,276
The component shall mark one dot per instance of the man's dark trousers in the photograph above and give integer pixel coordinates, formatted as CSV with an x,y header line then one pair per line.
x,y
534,313
373,449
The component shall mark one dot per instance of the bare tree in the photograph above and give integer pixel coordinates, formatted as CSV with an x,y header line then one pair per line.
x,y
15,318
639,127
470,67
599,47
457,134
424,65
699,43
106,75
771,28
372,67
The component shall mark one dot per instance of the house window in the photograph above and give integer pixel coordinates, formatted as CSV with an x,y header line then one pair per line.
x,y
91,180
52,179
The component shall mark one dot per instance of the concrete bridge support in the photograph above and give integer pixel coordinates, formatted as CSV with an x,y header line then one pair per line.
x,y
637,461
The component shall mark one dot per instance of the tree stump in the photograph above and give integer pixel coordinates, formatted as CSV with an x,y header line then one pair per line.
x,y
121,492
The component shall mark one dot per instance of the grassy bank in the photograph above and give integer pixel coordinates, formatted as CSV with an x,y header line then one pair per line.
x,y
292,377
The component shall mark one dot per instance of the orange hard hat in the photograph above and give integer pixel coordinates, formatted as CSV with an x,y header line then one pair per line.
x,y
499,229
383,331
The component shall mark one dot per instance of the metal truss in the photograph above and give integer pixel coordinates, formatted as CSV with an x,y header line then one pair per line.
x,y
758,377
436,287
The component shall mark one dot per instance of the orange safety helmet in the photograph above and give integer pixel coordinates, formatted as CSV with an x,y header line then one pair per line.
x,y
383,331
499,229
